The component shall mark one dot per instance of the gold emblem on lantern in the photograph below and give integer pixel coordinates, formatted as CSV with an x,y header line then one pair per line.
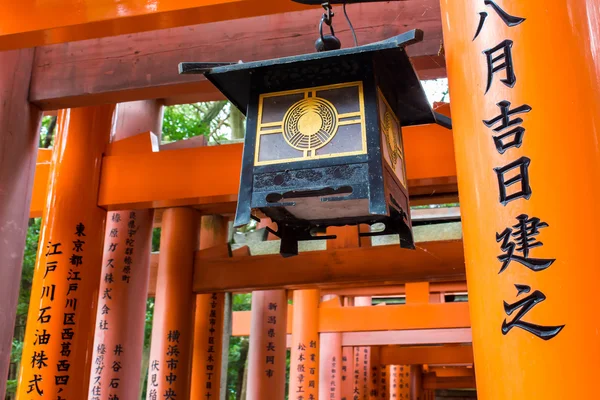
x,y
393,147
310,123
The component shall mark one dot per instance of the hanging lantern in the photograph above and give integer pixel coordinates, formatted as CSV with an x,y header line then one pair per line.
x,y
323,144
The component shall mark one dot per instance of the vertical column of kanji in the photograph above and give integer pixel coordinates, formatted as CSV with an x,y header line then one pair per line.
x,y
375,374
173,327
364,358
404,381
57,351
533,122
119,337
19,129
346,376
384,382
208,322
304,361
394,382
330,357
267,353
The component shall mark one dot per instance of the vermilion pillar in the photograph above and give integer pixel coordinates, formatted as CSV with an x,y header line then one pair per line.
x,y
375,374
119,337
173,326
19,130
57,351
304,361
362,359
416,382
399,382
267,353
330,358
347,374
208,322
528,154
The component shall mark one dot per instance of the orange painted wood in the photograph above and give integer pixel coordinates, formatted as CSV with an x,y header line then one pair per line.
x,y
375,318
330,356
347,373
417,293
268,347
416,316
66,279
563,170
173,326
125,185
433,382
304,356
208,320
126,68
434,261
35,23
125,269
19,132
446,355
435,287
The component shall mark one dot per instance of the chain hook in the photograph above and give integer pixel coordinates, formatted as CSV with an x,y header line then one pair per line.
x,y
327,42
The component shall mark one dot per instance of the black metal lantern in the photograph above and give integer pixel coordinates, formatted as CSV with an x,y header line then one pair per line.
x,y
323,143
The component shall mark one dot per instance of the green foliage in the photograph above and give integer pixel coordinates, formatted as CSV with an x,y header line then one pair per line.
x,y
200,119
46,141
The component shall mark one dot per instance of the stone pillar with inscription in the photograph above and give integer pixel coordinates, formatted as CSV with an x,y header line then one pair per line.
x,y
330,358
170,368
57,351
119,337
525,93
208,322
267,352
304,361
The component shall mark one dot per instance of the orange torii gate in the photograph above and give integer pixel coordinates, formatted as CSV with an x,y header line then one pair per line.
x,y
528,282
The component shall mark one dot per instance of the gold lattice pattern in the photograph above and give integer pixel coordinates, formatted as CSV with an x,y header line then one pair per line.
x,y
310,123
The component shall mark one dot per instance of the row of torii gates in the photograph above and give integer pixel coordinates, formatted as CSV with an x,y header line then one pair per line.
x,y
532,326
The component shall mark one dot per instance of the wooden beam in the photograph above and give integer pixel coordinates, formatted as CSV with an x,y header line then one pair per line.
x,y
442,323
35,23
401,317
144,65
124,183
433,382
397,290
409,337
432,261
437,355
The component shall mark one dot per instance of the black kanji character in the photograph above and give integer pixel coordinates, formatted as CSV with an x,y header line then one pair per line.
x,y
509,20
48,291
523,235
526,304
499,58
33,385
39,359
42,317
79,230
522,177
78,245
76,260
54,250
50,267
516,133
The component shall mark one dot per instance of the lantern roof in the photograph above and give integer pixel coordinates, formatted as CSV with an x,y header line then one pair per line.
x,y
234,80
